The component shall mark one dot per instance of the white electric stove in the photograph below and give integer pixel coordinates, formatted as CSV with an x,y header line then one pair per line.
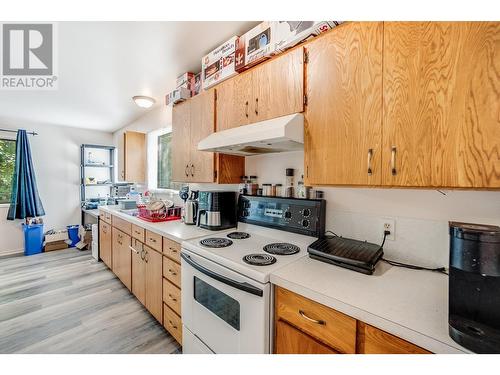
x,y
226,295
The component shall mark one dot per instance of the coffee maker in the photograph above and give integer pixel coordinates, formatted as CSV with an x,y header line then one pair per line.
x,y
474,286
216,210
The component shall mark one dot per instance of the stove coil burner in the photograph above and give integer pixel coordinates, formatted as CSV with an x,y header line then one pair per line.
x,y
281,248
216,242
259,259
238,235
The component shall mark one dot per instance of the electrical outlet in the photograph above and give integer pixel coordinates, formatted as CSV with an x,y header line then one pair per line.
x,y
390,225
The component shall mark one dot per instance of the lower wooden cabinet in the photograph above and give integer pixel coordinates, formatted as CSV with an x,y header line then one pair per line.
x,y
303,326
105,240
138,271
154,283
372,340
290,340
122,257
172,323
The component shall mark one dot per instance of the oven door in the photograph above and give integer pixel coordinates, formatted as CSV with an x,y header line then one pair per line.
x,y
228,312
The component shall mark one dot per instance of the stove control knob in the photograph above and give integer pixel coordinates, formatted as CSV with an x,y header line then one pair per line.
x,y
288,215
305,223
246,213
306,212
246,204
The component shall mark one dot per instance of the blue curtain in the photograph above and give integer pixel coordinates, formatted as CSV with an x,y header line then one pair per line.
x,y
25,201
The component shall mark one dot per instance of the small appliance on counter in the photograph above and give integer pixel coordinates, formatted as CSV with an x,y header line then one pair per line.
x,y
216,210
474,285
360,256
190,211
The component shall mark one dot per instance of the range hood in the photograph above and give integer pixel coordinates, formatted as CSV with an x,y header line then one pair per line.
x,y
279,134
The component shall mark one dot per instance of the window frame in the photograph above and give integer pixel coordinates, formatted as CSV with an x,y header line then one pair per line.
x,y
10,139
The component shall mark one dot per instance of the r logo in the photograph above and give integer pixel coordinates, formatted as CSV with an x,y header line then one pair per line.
x,y
27,49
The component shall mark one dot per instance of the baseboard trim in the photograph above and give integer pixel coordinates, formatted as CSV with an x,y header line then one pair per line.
x,y
11,253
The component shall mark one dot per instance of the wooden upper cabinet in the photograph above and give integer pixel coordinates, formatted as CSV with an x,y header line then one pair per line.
x,y
193,121
133,155
233,101
201,167
278,87
343,117
272,89
441,104
181,141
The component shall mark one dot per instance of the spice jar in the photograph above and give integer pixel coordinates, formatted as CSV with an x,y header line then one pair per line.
x,y
266,190
278,190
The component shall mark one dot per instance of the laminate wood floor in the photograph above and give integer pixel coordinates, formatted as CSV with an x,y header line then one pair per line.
x,y
66,302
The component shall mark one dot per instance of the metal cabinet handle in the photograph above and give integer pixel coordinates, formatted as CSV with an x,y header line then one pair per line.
x,y
172,297
119,242
152,239
172,272
186,170
370,154
134,250
172,249
246,109
256,106
393,161
192,170
172,324
316,321
143,254
146,256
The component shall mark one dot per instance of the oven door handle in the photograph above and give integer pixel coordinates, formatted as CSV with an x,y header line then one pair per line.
x,y
235,284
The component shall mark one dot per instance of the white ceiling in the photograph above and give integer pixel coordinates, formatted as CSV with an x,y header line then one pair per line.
x,y
103,64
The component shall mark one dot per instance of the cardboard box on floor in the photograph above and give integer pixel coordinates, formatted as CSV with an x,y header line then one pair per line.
x,y
56,240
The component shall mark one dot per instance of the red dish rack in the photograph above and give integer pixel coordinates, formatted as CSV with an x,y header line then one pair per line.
x,y
156,216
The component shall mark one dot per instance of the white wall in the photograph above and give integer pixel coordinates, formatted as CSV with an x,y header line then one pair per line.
x,y
56,158
421,215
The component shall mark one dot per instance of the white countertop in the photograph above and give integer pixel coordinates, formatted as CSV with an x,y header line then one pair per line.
x,y
175,229
409,304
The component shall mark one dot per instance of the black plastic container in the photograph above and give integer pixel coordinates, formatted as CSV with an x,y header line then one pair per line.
x,y
474,286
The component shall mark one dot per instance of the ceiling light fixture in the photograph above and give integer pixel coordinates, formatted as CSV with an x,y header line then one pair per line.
x,y
144,101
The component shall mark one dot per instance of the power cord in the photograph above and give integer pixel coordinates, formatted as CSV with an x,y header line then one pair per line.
x,y
410,266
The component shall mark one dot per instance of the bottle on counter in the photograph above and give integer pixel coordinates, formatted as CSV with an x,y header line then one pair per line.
x,y
266,190
289,189
278,190
301,189
242,188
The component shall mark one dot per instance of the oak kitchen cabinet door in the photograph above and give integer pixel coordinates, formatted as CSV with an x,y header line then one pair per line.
x,y
122,258
132,157
290,340
154,283
202,122
138,272
278,87
181,141
234,98
105,243
441,104
343,117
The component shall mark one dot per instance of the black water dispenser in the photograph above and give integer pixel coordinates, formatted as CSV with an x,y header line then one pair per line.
x,y
474,286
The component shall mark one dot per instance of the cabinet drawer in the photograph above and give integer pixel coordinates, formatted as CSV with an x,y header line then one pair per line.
x,y
122,225
172,271
372,340
105,216
154,240
172,249
138,232
172,296
321,322
172,323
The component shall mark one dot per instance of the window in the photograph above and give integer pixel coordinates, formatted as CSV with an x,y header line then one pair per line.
x,y
7,162
164,177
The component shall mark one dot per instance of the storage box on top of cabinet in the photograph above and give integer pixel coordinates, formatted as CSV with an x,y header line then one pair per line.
x,y
219,64
272,37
